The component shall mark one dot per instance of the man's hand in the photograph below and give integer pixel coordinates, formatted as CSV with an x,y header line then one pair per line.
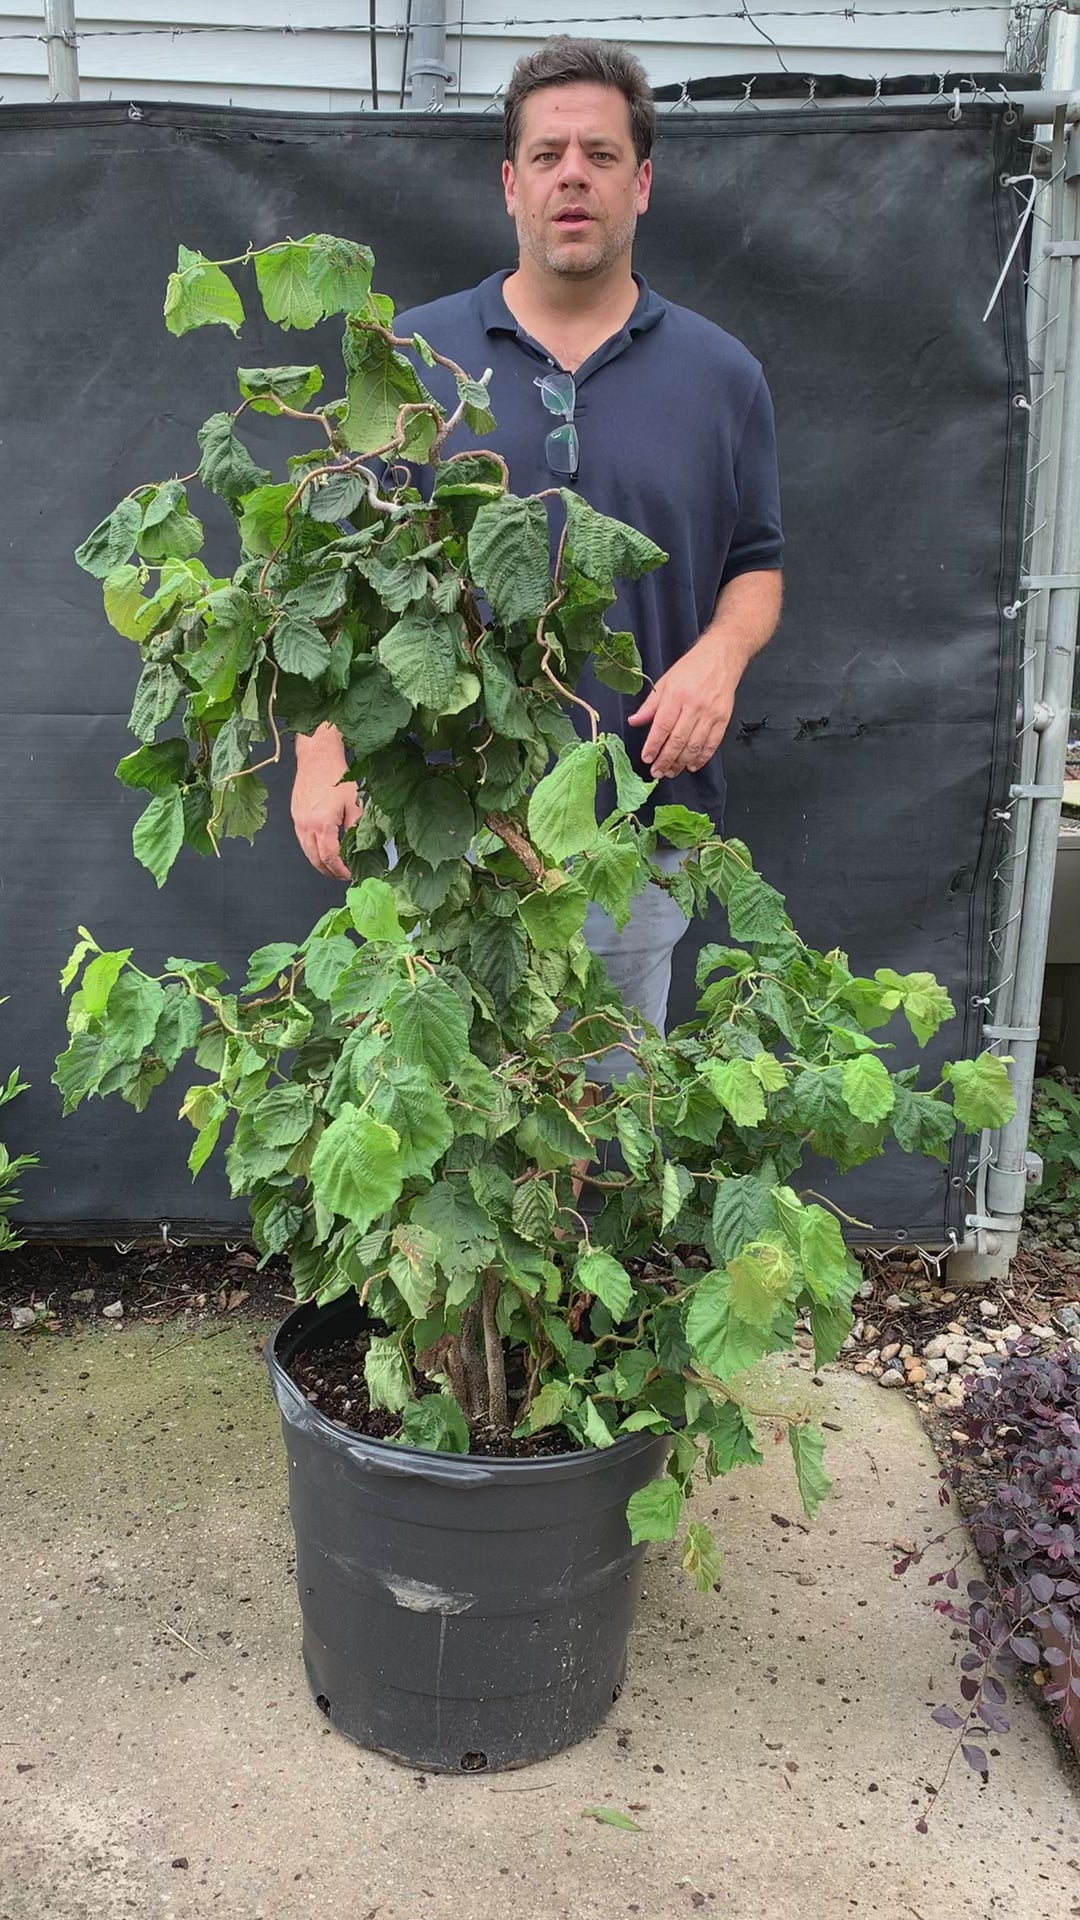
x,y
324,804
687,714
688,710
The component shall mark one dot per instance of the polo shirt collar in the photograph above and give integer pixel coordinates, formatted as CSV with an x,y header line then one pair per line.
x,y
496,316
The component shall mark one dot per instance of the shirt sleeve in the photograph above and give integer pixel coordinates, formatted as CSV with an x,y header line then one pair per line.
x,y
758,541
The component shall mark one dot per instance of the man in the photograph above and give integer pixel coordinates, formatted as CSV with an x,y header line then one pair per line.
x,y
659,417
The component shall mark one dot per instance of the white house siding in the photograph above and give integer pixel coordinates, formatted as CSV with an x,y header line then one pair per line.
x,y
245,54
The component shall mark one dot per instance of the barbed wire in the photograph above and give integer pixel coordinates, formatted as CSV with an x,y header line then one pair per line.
x,y
850,12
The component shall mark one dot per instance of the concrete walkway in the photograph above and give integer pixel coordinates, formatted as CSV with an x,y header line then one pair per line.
x,y
160,1754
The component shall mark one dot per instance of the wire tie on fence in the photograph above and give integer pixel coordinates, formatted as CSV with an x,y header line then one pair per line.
x,y
811,97
956,111
1013,180
134,112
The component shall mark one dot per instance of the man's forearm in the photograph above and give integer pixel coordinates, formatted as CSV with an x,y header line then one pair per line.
x,y
744,620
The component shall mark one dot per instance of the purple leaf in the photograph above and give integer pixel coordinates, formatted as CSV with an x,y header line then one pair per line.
x,y
1074,1685
1055,1656
975,1757
947,1717
1042,1587
1025,1649
993,1690
921,1826
969,1687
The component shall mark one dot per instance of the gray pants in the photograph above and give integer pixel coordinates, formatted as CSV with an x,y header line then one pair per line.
x,y
638,959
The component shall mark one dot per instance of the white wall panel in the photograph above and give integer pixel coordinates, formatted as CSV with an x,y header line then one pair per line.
x,y
250,57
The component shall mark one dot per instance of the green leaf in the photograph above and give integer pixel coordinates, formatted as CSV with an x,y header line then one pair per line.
x,y
371,711
243,808
231,748
158,834
552,1136
926,1004
755,910
600,1273
808,1448
379,382
476,411
263,525
767,1069
637,1143
498,958
827,1266
155,698
110,544
653,1512
553,918
124,603
631,792
730,1437
760,1277
386,1375
701,1557
169,531
339,272
611,1817
155,768
284,278
612,875
509,558
868,1090
724,1344
982,1093
548,1407
617,662
227,467
465,1234
923,1124
265,387
80,1067
533,1211
682,827
409,1102
677,1184
412,1266
737,1088
504,702
267,963
562,808
830,1325
439,819
135,1007
354,1170
178,1026
435,1423
603,549
373,911
428,1025
282,1115
300,648
420,653
199,294
207,1137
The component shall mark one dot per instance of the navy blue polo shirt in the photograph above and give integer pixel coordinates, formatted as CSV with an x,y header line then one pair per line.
x,y
676,434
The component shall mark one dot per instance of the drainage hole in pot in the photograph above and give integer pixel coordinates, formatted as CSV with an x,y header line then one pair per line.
x,y
615,1692
473,1762
323,1704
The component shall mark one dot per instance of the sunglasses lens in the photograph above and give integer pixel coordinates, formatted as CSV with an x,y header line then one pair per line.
x,y
562,450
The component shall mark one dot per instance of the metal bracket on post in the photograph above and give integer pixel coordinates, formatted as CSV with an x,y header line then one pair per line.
x,y
1011,1033
1062,250
1032,791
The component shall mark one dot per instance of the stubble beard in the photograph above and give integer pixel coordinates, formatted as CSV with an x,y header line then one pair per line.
x,y
579,263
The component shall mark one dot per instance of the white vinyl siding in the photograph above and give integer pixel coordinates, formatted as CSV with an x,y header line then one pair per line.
x,y
246,56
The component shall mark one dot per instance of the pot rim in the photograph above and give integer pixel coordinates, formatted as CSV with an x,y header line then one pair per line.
x,y
389,1456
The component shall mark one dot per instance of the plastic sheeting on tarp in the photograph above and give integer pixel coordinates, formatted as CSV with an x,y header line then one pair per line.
x,y
853,252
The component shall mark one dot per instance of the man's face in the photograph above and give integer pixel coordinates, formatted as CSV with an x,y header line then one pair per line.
x,y
574,189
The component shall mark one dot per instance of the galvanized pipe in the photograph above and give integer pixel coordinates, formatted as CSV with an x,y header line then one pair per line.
x,y
61,49
428,71
1006,1177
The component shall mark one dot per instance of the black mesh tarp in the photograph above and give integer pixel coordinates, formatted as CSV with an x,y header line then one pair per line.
x,y
854,253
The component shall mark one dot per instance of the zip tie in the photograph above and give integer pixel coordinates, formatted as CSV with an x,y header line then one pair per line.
x,y
1013,180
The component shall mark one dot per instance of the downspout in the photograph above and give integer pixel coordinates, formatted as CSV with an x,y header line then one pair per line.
x,y
428,71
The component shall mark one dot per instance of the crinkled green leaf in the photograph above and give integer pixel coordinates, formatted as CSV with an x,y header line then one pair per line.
x,y
982,1092
562,808
355,1169
158,834
808,1448
654,1511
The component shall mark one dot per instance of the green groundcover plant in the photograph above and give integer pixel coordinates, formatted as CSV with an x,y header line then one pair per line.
x,y
403,1093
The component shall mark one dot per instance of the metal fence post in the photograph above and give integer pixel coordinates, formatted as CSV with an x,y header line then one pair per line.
x,y
61,49
428,71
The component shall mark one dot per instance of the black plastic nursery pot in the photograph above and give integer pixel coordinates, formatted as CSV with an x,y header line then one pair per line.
x,y
460,1612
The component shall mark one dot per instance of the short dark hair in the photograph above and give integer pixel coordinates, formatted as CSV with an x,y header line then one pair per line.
x,y
563,61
